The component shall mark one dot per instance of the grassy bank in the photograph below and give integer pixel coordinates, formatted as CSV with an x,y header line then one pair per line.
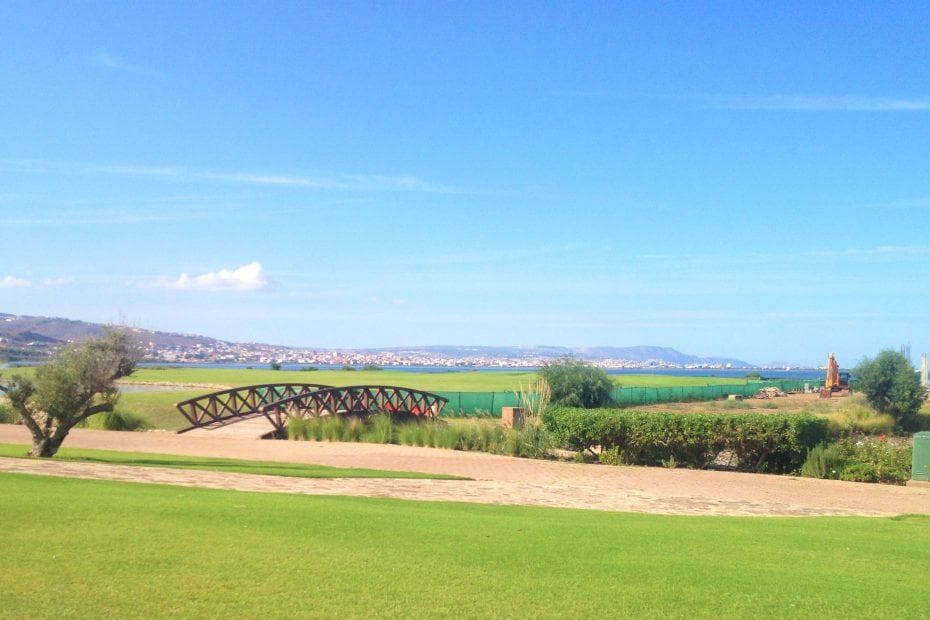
x,y
133,550
238,466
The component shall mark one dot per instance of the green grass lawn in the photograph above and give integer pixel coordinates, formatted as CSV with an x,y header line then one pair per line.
x,y
453,381
268,468
106,549
158,408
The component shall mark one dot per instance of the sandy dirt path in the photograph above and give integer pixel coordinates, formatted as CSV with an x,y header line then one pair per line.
x,y
497,479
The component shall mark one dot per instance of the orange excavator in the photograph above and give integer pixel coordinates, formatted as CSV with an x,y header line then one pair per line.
x,y
837,382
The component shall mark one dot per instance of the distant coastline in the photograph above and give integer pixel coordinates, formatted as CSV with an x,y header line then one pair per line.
x,y
736,373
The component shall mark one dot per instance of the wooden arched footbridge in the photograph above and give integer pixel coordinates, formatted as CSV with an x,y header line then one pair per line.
x,y
357,400
278,402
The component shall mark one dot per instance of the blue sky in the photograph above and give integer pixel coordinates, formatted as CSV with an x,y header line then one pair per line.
x,y
730,179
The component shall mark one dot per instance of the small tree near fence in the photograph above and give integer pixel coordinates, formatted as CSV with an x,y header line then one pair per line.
x,y
892,386
575,383
80,381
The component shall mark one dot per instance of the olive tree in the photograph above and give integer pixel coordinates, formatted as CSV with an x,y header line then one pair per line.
x,y
575,383
78,382
891,385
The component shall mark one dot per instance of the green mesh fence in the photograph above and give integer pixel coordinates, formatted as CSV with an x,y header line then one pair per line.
x,y
490,403
477,403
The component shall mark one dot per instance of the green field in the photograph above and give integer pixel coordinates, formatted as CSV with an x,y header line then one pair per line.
x,y
93,549
452,381
158,410
268,468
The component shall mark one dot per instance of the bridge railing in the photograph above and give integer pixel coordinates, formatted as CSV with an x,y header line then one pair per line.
x,y
240,401
355,400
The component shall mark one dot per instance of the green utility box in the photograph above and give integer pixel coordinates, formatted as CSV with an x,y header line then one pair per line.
x,y
920,466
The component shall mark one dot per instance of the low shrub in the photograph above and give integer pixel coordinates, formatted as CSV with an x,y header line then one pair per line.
x,y
116,421
737,404
824,461
8,415
760,442
861,460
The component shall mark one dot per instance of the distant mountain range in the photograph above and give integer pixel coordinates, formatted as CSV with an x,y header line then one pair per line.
x,y
31,337
24,338
640,353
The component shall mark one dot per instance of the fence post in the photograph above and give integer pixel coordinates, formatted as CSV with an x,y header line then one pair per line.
x,y
492,404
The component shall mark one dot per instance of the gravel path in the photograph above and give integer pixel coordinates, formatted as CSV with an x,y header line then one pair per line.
x,y
497,479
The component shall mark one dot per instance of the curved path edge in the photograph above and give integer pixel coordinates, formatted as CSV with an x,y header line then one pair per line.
x,y
495,479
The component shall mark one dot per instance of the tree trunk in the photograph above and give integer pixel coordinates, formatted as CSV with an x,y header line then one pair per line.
x,y
45,447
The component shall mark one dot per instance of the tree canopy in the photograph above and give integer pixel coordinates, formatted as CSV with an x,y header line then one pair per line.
x,y
575,383
892,386
78,382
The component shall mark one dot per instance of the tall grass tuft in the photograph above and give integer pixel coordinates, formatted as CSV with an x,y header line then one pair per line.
x,y
531,441
857,417
380,430
534,397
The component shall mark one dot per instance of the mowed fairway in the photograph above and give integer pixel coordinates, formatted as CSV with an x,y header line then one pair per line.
x,y
452,381
91,548
266,468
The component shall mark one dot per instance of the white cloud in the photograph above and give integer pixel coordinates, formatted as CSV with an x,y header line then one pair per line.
x,y
823,103
246,278
58,282
273,179
114,63
14,282
342,182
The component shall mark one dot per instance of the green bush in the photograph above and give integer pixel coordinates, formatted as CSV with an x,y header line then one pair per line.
x,y
824,461
371,367
860,460
761,442
877,460
7,415
891,385
575,383
116,421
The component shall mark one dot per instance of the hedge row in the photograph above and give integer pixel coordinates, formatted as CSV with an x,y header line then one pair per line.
x,y
775,443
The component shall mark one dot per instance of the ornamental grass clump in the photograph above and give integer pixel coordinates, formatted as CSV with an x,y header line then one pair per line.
x,y
531,441
380,429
